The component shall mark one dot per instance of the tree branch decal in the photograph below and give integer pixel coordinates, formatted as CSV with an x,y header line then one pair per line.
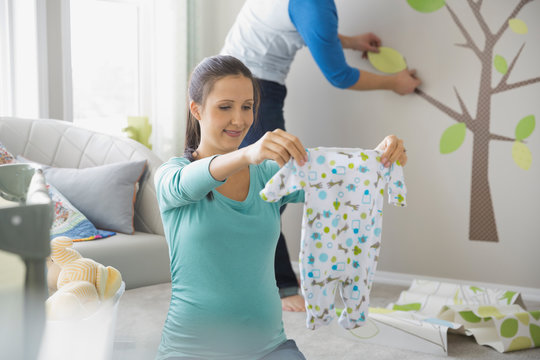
x,y
476,11
518,8
503,83
482,225
470,43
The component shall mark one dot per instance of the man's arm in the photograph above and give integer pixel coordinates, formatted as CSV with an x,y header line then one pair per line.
x,y
404,82
317,23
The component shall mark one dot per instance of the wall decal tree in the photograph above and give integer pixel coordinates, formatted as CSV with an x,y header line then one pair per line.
x,y
482,225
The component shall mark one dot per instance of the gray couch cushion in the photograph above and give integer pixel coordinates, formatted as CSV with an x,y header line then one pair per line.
x,y
142,259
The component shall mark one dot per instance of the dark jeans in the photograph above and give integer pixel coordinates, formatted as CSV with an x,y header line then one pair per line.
x,y
269,118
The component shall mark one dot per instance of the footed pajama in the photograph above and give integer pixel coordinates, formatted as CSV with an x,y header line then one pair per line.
x,y
341,226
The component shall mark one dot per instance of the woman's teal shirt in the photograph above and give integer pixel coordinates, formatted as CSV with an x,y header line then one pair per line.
x,y
225,302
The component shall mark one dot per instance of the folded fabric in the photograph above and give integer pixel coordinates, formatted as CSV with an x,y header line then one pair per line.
x,y
107,280
76,300
495,317
83,284
429,297
5,156
503,327
104,194
71,222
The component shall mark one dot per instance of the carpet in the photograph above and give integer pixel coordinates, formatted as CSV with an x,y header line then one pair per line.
x,y
143,311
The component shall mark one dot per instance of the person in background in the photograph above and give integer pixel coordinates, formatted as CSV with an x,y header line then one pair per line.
x,y
221,235
265,37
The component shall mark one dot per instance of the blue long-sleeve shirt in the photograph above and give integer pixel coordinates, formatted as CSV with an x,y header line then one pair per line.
x,y
267,34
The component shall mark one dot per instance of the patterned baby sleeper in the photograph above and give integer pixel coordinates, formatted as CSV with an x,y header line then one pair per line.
x,y
341,226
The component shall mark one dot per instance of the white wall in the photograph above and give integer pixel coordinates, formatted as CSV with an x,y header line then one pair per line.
x,y
213,20
431,236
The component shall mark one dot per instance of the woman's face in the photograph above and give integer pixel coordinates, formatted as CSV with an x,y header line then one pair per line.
x,y
227,115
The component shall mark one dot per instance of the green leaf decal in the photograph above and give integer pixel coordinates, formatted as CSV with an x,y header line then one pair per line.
x,y
426,6
535,334
469,316
518,26
387,60
476,289
509,295
407,307
522,155
452,138
509,328
500,64
520,342
525,127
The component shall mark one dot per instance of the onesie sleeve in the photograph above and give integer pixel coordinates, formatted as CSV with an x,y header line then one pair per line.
x,y
286,184
180,182
397,191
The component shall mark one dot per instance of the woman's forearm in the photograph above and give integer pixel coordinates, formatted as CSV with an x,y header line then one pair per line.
x,y
225,165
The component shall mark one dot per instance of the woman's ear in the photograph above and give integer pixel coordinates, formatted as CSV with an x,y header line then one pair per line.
x,y
194,108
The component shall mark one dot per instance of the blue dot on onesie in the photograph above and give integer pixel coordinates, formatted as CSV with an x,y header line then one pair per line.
x,y
323,257
322,195
377,232
321,159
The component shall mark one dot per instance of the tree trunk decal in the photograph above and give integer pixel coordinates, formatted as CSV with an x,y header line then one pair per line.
x,y
482,225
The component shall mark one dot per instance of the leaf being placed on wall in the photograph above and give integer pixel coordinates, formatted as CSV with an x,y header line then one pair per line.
x,y
387,60
525,127
452,138
500,64
426,6
518,26
522,155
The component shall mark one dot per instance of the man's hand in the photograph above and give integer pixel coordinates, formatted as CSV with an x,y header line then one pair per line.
x,y
364,42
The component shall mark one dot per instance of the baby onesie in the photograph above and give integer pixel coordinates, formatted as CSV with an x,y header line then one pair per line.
x,y
341,226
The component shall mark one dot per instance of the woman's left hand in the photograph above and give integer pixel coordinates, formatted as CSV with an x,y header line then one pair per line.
x,y
393,150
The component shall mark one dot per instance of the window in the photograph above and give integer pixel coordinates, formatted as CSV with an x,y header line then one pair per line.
x,y
109,62
97,62
18,59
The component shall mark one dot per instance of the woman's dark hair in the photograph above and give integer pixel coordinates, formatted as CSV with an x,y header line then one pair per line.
x,y
201,82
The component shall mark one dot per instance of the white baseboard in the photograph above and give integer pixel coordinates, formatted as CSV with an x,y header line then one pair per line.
x,y
402,279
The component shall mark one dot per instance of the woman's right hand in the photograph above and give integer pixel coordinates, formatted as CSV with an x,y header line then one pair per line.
x,y
277,145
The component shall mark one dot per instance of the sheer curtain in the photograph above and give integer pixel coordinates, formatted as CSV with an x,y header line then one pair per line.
x,y
37,74
171,72
18,59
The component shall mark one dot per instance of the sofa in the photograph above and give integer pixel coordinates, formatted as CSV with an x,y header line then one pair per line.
x,y
142,257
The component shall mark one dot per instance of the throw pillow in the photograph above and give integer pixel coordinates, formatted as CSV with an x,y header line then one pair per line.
x,y
71,222
5,156
104,194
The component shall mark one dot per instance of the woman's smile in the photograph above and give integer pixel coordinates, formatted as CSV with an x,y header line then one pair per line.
x,y
233,133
